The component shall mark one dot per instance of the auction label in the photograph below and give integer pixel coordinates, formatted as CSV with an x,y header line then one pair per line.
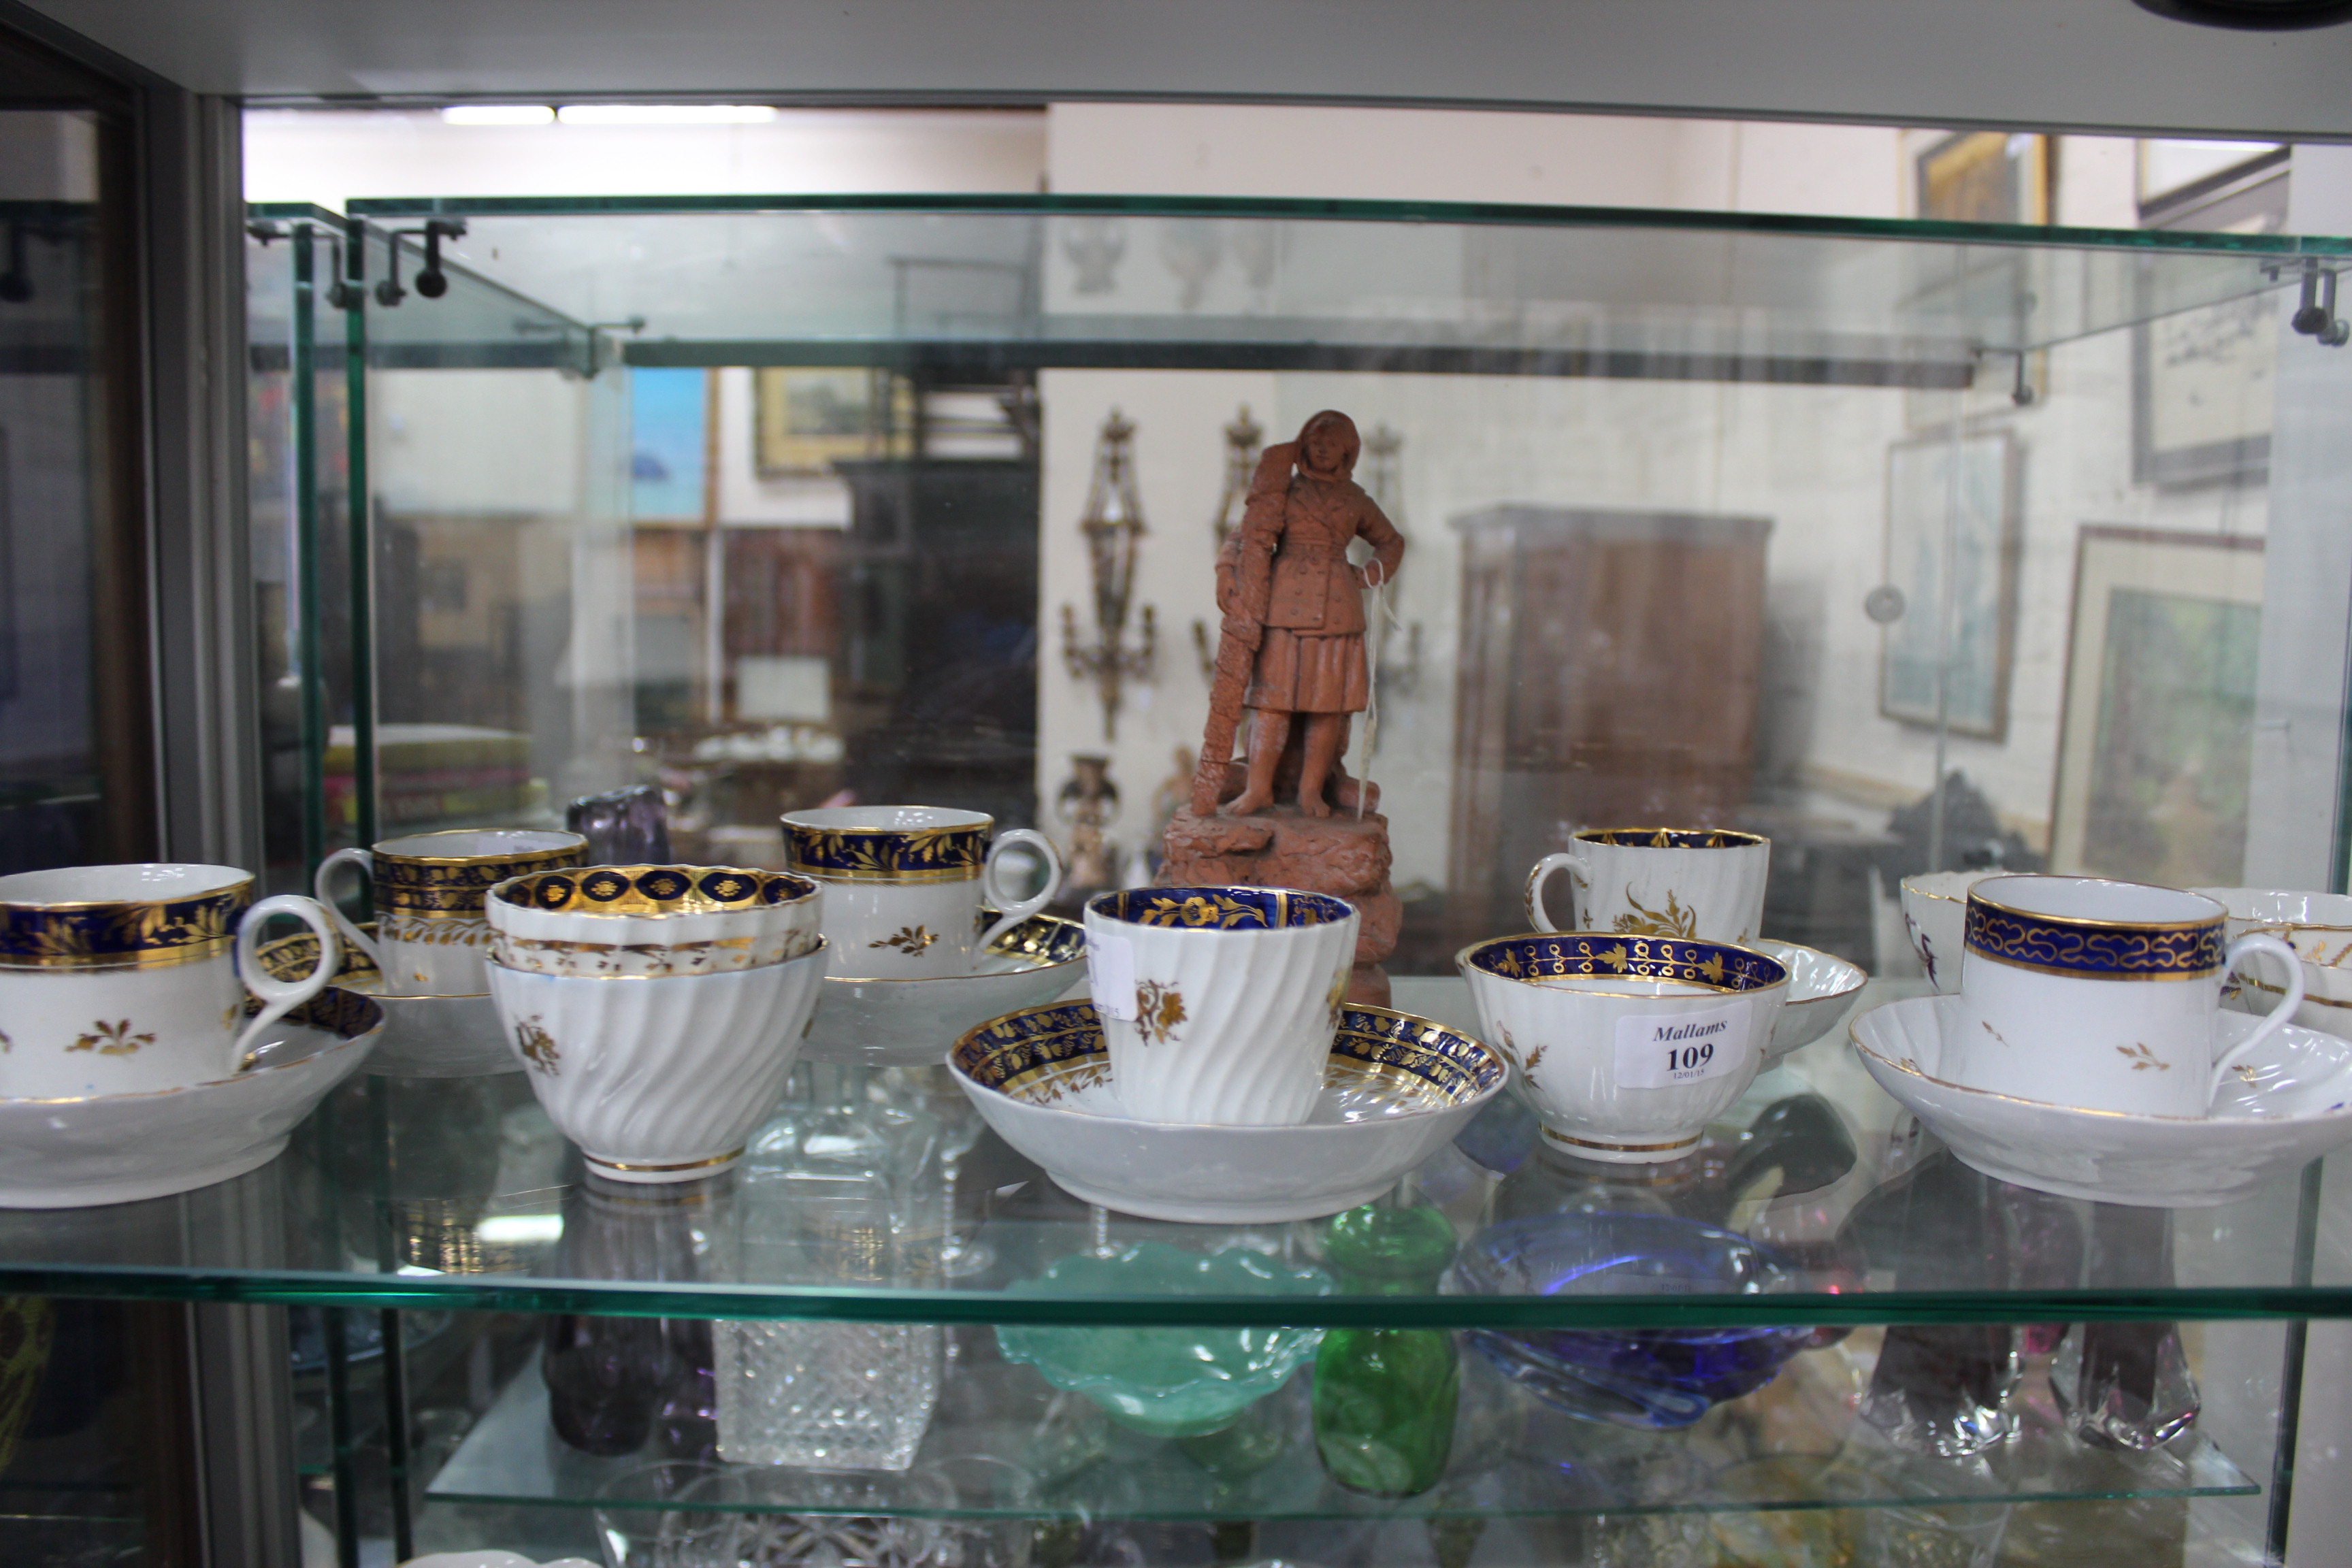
x,y
1110,975
1659,1051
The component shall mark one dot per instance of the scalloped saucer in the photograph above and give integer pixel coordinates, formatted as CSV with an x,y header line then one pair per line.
x,y
121,1148
909,1023
424,1037
2286,1108
1396,1090
1821,986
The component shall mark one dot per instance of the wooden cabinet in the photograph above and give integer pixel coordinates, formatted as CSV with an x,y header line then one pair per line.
x,y
1609,677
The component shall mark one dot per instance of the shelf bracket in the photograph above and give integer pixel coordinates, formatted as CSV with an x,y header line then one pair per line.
x,y
2315,316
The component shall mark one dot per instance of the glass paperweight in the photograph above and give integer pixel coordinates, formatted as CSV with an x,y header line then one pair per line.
x,y
1169,1383
1633,1377
1385,1398
2124,1385
1944,1390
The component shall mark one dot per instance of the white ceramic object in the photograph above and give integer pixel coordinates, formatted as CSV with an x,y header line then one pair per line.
x,y
2284,1105
1705,883
1625,1046
2318,926
2087,991
490,1559
907,1022
126,979
1822,988
121,1148
424,1037
659,1079
1935,918
1219,1003
904,885
651,959
429,937
1395,1090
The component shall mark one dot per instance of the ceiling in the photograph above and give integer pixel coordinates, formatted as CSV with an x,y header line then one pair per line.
x,y
2056,64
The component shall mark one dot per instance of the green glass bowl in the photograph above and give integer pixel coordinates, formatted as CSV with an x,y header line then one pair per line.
x,y
1168,1383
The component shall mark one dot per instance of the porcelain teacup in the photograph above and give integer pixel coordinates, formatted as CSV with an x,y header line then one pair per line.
x,y
431,933
1935,920
125,979
652,921
1219,1004
1625,1046
904,885
2100,995
1703,884
2318,926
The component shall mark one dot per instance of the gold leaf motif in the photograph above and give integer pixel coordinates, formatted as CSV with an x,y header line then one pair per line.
x,y
538,1047
1672,921
1615,959
909,940
1157,1010
113,1039
2142,1058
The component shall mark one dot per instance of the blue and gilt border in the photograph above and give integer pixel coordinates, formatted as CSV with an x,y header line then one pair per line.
x,y
1671,837
654,890
1015,1054
887,854
121,935
1717,966
430,888
2093,950
1221,908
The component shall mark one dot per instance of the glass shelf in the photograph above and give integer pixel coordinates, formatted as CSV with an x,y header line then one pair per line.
x,y
1037,281
455,1192
1511,1456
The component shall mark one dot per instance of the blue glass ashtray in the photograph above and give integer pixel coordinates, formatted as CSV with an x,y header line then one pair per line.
x,y
1653,1378
1169,1383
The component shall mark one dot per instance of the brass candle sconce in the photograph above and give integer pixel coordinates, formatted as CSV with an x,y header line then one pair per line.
x,y
1113,524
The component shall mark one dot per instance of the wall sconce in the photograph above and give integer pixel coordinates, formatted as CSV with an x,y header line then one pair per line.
x,y
1113,526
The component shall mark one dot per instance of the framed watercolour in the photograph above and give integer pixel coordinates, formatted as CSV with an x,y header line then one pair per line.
x,y
808,418
2202,379
1985,176
2155,742
1952,553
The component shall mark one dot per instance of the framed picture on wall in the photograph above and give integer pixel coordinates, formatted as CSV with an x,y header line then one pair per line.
x,y
808,418
1952,553
2202,379
2155,742
1985,176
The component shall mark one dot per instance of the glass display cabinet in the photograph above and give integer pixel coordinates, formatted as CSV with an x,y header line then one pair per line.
x,y
1912,546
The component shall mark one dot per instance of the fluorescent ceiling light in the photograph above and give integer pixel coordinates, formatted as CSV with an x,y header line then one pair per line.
x,y
498,114
664,113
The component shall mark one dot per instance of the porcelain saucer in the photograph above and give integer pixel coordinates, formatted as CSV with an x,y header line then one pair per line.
x,y
2284,1108
1821,986
1396,1090
907,1023
121,1148
424,1037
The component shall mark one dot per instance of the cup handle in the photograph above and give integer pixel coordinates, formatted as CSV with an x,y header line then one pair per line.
x,y
282,996
1558,859
1015,911
2279,1016
322,884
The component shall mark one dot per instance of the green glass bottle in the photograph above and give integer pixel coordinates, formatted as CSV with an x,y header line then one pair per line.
x,y
1385,1398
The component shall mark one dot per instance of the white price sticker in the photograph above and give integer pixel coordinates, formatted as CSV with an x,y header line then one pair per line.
x,y
1660,1050
1110,975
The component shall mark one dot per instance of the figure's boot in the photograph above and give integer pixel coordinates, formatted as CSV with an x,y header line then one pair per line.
x,y
1273,728
1325,733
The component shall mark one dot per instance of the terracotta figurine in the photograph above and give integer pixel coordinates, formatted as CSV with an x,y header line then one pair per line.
x,y
1292,640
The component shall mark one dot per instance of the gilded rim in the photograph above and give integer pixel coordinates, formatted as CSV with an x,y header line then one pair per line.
x,y
203,951
1113,906
816,951
654,891
1605,836
728,1159
815,849
1690,1142
2221,910
243,884
1462,964
1959,897
524,859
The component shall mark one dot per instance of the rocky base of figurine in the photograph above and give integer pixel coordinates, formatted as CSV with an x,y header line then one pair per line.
x,y
1343,855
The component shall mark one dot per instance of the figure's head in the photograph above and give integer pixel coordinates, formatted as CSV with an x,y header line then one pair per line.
x,y
1328,444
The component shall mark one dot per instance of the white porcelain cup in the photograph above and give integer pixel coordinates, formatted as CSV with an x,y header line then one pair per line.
x,y
652,920
904,885
126,979
1625,1046
1935,918
1704,884
430,933
2318,926
2099,994
1219,1004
